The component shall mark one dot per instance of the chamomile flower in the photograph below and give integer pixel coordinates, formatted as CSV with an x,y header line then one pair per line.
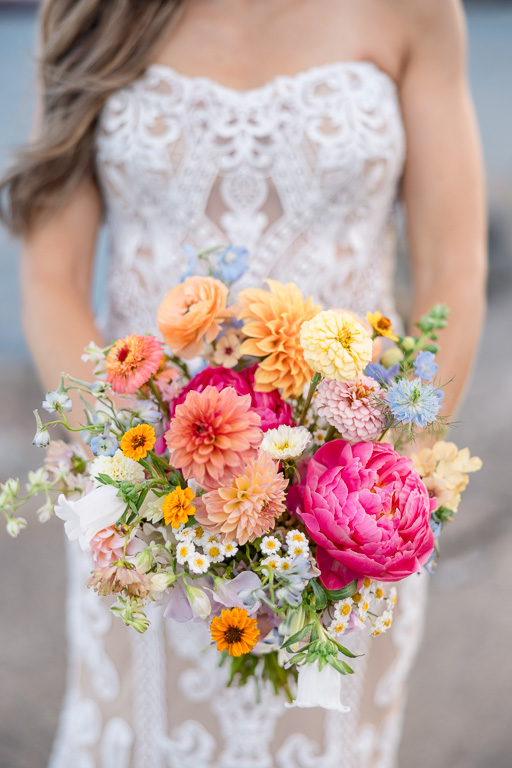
x,y
298,548
363,608
198,563
184,551
378,592
383,623
343,609
338,627
210,538
285,564
215,552
296,537
270,544
272,561
230,549
392,597
185,534
198,534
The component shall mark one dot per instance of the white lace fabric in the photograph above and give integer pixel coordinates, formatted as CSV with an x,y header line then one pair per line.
x,y
304,172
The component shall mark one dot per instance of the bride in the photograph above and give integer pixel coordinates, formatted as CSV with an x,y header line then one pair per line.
x,y
291,127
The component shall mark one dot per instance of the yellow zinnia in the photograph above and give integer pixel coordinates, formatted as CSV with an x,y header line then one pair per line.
x,y
273,321
336,345
381,325
136,443
177,508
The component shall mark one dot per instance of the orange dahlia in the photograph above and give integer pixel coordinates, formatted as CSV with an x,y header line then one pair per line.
x,y
234,631
212,435
177,508
191,313
272,322
132,361
249,506
136,443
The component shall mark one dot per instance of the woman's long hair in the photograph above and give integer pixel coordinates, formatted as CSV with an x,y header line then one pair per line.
x,y
89,49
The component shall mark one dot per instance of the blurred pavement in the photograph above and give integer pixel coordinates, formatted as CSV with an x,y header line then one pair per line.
x,y
459,708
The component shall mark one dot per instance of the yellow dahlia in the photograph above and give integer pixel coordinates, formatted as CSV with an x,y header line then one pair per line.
x,y
336,345
234,631
273,320
177,508
249,506
136,443
381,325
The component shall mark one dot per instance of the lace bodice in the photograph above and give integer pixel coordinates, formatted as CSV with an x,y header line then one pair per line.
x,y
303,171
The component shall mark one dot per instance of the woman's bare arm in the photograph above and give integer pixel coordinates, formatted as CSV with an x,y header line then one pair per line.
x,y
57,265
443,185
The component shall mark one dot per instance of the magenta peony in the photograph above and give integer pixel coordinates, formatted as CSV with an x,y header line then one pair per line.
x,y
368,511
269,406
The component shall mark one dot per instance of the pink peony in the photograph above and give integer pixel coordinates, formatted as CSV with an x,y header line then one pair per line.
x,y
352,407
107,546
368,511
270,406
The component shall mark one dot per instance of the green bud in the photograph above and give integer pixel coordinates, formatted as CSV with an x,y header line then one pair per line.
x,y
391,357
408,343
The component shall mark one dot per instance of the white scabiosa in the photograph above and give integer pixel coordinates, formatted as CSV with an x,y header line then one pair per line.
x,y
286,442
270,545
118,467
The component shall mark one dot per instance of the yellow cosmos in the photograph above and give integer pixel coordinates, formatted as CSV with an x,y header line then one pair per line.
x,y
381,325
234,632
136,443
336,345
177,508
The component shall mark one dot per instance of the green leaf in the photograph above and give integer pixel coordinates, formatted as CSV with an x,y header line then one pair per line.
x,y
346,652
320,596
298,636
105,479
341,594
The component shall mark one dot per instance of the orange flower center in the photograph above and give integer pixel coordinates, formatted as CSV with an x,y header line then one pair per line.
x,y
233,635
138,441
384,324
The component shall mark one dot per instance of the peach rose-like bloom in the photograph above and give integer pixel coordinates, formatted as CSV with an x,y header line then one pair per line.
x,y
191,313
273,320
249,506
212,435
336,345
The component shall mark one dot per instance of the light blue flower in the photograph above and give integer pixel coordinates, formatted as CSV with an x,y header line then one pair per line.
x,y
381,374
425,366
57,401
414,402
104,445
232,263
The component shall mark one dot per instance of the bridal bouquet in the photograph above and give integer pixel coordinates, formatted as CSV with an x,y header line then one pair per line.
x,y
246,472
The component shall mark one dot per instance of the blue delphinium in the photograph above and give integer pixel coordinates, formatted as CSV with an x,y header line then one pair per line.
x,y
381,374
232,263
103,445
425,366
414,402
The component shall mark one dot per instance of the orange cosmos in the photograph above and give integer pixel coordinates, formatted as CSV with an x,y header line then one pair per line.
x,y
191,314
234,632
132,361
136,443
272,322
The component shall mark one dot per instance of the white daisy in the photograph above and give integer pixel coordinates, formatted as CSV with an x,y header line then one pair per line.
x,y
296,537
298,548
285,442
343,609
272,561
185,534
391,601
285,564
184,550
338,627
230,548
215,552
198,534
378,592
210,538
383,623
198,563
270,544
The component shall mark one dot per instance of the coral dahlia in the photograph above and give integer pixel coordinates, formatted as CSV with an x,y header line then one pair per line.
x,y
132,361
212,435
352,407
273,320
249,506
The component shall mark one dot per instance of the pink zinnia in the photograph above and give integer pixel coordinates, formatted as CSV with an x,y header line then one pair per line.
x,y
352,407
108,545
368,511
249,506
132,361
213,435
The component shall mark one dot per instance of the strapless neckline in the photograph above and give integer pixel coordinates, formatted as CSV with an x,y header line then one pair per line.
x,y
167,72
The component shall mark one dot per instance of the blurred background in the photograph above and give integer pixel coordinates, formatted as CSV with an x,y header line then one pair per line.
x,y
458,715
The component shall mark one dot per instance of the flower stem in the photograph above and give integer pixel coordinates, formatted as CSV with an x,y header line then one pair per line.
x,y
314,383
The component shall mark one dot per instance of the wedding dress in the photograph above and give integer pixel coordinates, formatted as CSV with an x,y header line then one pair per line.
x,y
304,171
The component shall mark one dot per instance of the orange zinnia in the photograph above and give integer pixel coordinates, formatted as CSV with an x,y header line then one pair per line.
x,y
177,508
191,313
136,443
234,632
273,322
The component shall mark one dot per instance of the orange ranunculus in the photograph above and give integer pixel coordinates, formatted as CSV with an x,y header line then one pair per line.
x,y
191,313
273,320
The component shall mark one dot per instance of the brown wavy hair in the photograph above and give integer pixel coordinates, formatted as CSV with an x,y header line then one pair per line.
x,y
89,49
